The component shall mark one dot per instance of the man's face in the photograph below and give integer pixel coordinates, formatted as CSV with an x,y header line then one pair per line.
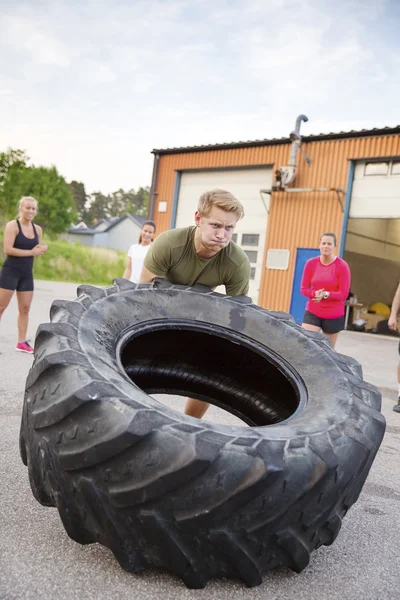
x,y
216,229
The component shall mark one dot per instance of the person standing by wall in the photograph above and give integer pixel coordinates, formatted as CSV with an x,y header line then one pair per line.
x,y
22,242
326,283
392,324
137,252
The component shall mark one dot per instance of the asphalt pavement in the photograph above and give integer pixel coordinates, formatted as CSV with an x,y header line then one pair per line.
x,y
39,561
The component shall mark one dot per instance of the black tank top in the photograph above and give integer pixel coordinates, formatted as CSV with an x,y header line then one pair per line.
x,y
22,264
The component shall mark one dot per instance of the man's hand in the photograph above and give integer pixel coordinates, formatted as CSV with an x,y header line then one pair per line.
x,y
392,323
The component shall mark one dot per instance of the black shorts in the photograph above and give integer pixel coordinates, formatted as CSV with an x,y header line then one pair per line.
x,y
327,325
11,280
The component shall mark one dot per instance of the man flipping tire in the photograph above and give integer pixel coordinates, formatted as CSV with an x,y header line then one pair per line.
x,y
203,254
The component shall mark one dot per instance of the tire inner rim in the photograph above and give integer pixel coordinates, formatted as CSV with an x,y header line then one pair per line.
x,y
213,364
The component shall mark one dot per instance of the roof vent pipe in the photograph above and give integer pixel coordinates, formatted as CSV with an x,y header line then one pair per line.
x,y
285,175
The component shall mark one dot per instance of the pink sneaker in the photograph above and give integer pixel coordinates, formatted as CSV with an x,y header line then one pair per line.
x,y
24,347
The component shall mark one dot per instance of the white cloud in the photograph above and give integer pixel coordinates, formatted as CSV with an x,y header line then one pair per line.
x,y
93,88
93,71
24,34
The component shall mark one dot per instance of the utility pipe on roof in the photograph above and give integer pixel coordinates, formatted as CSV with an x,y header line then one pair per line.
x,y
288,173
296,139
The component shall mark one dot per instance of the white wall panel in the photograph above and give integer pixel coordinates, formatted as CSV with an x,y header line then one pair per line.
x,y
244,184
375,196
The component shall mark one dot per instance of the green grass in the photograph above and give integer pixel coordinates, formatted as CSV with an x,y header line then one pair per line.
x,y
65,261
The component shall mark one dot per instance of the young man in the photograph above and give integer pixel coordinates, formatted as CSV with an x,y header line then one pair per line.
x,y
204,255
393,325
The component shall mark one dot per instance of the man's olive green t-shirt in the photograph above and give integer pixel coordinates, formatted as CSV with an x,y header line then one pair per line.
x,y
173,256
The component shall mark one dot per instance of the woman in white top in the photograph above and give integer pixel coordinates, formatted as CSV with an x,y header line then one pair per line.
x,y
137,252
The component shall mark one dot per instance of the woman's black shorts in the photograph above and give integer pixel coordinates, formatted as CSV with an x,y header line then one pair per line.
x,y
11,280
327,325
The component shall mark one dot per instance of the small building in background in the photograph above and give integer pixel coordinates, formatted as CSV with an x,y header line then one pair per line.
x,y
117,233
347,183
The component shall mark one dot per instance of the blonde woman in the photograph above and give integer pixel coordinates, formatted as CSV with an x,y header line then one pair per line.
x,y
22,242
137,252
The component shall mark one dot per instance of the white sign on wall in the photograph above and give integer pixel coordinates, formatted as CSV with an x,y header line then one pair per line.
x,y
278,259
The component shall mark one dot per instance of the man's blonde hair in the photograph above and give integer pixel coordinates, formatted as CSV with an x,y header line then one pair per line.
x,y
222,199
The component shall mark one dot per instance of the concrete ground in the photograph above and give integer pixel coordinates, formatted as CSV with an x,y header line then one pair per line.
x,y
39,561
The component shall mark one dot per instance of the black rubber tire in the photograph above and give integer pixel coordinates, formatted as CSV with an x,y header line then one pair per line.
x,y
164,490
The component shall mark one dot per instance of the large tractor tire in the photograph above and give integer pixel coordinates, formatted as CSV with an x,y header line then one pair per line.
x,y
165,490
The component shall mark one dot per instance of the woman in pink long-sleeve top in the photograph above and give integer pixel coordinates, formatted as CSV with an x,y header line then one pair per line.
x,y
326,283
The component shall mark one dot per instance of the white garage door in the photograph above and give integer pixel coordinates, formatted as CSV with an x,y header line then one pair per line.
x,y
376,190
244,184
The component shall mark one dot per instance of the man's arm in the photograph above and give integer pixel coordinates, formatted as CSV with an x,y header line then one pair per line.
x,y
238,285
392,324
147,276
158,260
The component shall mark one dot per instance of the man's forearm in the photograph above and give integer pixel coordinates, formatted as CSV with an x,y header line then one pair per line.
x,y
147,276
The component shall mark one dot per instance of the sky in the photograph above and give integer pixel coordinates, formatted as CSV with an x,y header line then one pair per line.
x,y
94,88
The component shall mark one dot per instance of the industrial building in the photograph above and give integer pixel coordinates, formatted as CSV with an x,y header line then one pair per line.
x,y
293,189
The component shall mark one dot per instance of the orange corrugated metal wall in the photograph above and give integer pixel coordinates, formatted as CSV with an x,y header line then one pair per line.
x,y
295,220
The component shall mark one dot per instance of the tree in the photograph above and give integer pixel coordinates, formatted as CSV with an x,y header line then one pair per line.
x,y
99,207
11,161
61,203
117,204
56,205
80,197
11,158
138,202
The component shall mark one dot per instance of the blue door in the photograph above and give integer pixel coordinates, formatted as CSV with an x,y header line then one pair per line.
x,y
298,302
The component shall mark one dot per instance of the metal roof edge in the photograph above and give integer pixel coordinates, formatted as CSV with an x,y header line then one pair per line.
x,y
120,219
277,141
83,231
